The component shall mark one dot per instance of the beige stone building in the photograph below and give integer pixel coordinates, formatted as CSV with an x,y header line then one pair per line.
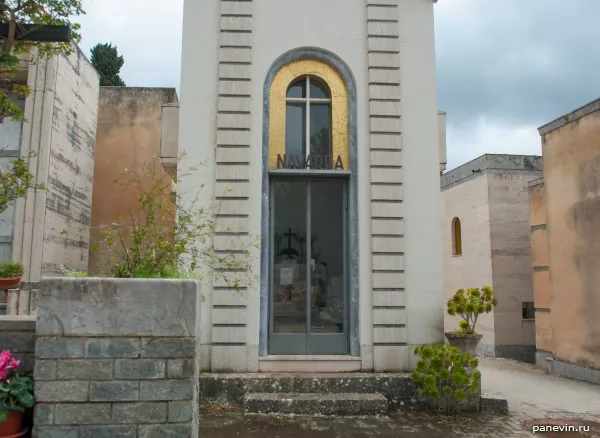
x,y
136,127
51,227
565,237
485,232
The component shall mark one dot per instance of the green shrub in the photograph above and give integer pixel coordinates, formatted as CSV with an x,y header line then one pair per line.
x,y
11,270
469,305
445,375
171,235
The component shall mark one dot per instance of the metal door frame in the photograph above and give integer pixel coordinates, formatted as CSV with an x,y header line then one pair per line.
x,y
309,343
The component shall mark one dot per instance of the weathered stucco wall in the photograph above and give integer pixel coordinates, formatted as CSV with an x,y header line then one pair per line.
x,y
511,260
52,226
128,137
469,202
542,291
572,179
71,166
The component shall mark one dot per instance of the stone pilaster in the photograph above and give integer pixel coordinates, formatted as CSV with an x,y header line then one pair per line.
x,y
387,191
233,156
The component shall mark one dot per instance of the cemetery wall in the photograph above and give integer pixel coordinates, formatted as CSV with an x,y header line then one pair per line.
x,y
117,358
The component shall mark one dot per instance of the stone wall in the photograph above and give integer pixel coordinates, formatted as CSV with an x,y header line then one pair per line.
x,y
17,334
116,358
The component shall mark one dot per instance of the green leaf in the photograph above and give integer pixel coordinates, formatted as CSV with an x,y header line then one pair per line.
x,y
3,415
26,399
416,377
445,374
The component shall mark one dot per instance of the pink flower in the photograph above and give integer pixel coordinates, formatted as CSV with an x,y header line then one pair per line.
x,y
7,363
4,358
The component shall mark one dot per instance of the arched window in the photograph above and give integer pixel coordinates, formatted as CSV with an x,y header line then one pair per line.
x,y
456,237
308,122
308,118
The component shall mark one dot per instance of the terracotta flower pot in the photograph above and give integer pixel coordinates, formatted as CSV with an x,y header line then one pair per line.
x,y
13,426
9,283
466,343
17,435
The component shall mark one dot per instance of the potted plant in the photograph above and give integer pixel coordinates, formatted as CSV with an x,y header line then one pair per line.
x,y
469,305
10,275
16,395
446,379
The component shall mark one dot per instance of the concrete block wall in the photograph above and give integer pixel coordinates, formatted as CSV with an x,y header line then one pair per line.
x,y
116,358
17,334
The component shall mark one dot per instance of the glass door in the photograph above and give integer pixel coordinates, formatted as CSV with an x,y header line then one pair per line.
x,y
308,294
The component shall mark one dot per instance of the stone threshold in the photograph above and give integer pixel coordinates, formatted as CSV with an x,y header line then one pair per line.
x,y
309,363
308,358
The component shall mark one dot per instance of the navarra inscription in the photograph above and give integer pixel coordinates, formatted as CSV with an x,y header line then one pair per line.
x,y
313,161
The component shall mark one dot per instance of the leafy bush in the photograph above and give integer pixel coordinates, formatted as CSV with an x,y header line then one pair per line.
x,y
36,12
16,181
444,375
16,392
169,236
11,270
469,305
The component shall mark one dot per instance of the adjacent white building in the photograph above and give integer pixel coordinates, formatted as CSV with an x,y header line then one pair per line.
x,y
318,125
485,230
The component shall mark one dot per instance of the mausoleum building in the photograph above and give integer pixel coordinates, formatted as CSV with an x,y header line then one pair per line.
x,y
318,127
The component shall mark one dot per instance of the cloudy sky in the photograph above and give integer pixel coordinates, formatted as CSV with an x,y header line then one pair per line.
x,y
505,67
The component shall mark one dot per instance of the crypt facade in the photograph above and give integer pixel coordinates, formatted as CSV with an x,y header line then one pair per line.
x,y
318,126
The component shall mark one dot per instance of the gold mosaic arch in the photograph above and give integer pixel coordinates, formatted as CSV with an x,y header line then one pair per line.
x,y
339,107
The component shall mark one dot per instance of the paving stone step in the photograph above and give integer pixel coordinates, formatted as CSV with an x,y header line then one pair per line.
x,y
315,404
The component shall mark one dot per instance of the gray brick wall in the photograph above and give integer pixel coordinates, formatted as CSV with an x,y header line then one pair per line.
x,y
116,358
17,334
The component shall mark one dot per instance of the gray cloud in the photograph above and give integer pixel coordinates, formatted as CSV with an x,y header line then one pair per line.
x,y
516,62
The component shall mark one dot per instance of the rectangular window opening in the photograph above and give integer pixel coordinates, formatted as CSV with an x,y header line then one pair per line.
x,y
528,310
